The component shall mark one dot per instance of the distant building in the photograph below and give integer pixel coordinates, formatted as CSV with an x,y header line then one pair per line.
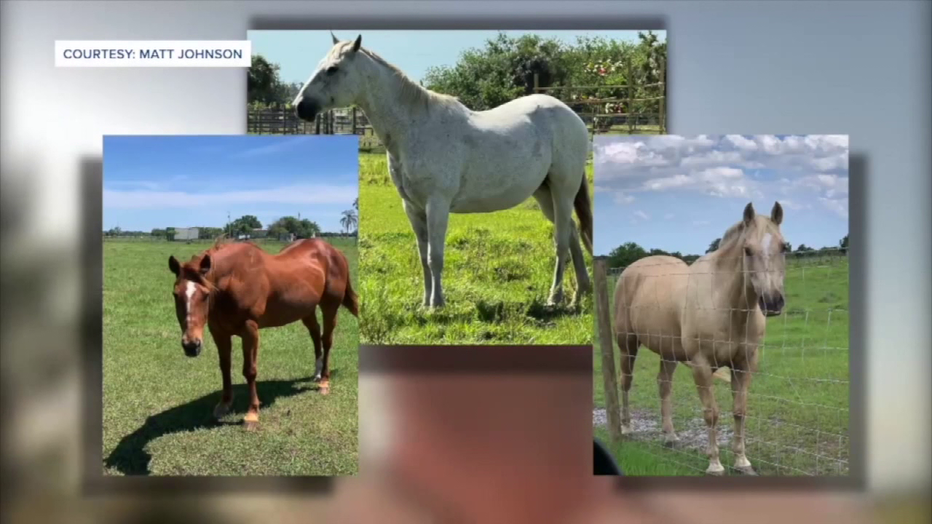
x,y
186,233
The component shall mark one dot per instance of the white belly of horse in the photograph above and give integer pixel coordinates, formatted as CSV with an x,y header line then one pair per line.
x,y
495,199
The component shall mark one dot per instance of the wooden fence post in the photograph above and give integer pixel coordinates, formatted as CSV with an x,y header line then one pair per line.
x,y
631,125
663,96
609,379
536,82
354,120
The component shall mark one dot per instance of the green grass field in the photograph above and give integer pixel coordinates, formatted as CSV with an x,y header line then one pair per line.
x,y
798,401
497,275
157,403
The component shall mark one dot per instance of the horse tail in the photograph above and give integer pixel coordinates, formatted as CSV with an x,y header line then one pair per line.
x,y
584,213
350,299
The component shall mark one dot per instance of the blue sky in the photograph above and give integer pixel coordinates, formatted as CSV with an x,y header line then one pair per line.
x,y
181,181
298,52
680,193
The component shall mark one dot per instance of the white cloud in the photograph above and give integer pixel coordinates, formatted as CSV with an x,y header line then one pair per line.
x,y
276,147
661,184
837,206
299,194
794,205
641,215
669,216
741,143
799,168
623,198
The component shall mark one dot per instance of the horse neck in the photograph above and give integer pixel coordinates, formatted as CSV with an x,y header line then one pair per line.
x,y
737,293
386,109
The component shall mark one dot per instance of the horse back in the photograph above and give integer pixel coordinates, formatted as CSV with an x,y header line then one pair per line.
x,y
328,260
649,298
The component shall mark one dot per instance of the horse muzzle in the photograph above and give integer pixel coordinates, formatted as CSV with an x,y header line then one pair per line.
x,y
191,348
771,306
307,110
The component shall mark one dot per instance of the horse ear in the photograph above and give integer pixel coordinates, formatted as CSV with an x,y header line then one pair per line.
x,y
205,264
776,215
357,43
335,39
749,213
174,265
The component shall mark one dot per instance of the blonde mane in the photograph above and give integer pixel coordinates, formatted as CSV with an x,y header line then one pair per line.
x,y
412,92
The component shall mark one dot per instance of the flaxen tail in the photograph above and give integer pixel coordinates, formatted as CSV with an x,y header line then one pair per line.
x,y
583,207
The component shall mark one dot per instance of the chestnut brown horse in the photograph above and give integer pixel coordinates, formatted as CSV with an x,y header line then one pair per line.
x,y
236,289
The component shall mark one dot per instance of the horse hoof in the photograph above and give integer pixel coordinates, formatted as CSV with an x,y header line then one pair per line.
x,y
746,470
324,388
221,410
251,425
715,472
671,443
626,430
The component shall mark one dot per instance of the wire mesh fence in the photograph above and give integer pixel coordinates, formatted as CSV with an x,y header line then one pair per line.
x,y
796,418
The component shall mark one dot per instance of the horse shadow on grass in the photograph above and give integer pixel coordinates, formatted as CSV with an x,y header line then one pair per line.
x,y
130,456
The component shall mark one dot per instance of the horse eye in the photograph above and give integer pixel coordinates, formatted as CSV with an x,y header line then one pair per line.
x,y
747,251
331,70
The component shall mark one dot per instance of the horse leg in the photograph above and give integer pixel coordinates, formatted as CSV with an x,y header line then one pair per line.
x,y
545,201
250,371
665,384
418,221
740,382
628,347
438,215
314,328
330,323
563,226
702,375
224,348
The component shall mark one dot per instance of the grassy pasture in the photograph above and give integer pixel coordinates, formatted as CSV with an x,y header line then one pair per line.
x,y
797,421
497,275
157,403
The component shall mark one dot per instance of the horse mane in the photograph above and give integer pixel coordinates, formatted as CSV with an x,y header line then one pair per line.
x,y
731,234
412,92
729,242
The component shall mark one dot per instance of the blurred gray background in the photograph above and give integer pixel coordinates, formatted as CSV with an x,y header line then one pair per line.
x,y
856,68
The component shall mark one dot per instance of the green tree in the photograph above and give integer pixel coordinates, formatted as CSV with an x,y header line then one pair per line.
x,y
626,254
500,71
158,233
263,85
714,245
244,225
349,220
303,228
843,244
170,233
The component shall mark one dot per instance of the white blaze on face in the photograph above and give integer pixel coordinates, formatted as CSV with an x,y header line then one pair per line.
x,y
766,244
189,292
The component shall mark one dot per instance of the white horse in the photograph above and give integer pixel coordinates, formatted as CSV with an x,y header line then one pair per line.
x,y
445,158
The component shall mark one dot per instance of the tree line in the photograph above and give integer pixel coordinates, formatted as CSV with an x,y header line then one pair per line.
x,y
247,225
630,252
504,68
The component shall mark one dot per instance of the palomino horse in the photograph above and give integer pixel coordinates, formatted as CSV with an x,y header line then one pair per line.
x,y
709,315
444,158
238,289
